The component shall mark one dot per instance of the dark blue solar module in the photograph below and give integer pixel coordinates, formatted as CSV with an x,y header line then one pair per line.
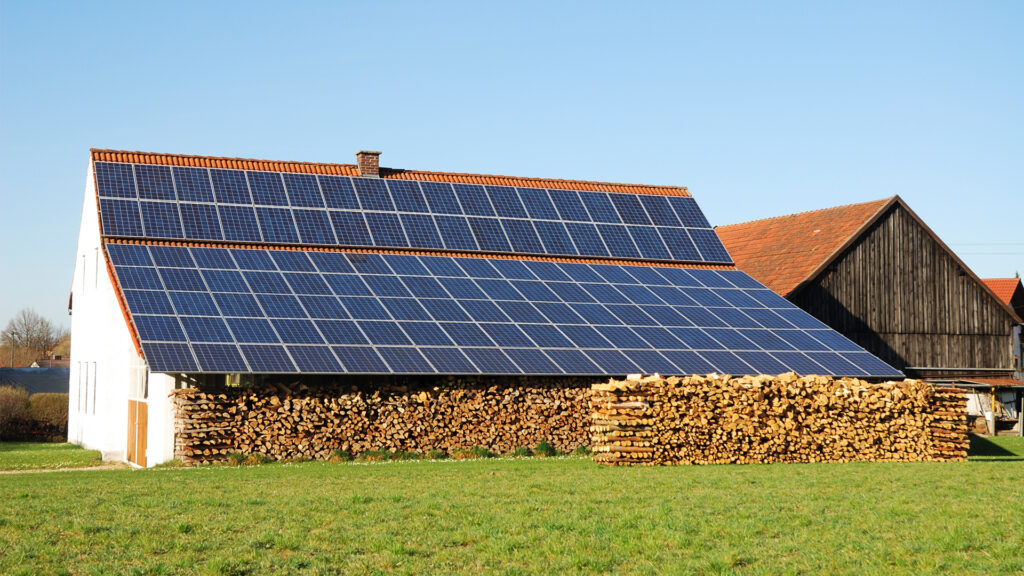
x,y
203,309
146,201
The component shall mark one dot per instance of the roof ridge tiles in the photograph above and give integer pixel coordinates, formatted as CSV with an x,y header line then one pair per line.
x,y
136,157
879,202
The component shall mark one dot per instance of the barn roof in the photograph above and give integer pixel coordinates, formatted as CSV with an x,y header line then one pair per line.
x,y
232,265
786,252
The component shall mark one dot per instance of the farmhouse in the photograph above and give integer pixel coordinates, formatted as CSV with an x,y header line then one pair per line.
x,y
327,305
876,273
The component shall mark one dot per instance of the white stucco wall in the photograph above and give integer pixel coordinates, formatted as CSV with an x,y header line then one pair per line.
x,y
160,435
102,346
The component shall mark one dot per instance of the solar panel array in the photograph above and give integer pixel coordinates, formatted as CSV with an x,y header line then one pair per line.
x,y
209,204
215,309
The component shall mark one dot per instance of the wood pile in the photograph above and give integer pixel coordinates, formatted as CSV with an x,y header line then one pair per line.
x,y
718,419
287,421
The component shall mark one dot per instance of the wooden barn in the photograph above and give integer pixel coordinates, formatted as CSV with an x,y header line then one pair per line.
x,y
876,273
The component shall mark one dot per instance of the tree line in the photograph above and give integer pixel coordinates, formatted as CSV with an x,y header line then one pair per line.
x,y
28,337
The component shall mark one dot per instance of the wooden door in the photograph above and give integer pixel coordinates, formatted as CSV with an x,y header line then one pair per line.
x,y
137,422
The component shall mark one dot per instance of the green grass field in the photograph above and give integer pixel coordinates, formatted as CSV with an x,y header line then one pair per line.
x,y
45,456
532,516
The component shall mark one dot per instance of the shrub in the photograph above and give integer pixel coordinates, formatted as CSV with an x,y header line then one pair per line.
x,y
50,409
235,459
403,455
545,450
340,456
14,410
522,452
374,456
582,450
257,459
436,454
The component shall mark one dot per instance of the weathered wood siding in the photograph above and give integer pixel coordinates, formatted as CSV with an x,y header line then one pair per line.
x,y
900,295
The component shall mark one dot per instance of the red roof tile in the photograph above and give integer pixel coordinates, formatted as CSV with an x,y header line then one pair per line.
x,y
1004,288
785,251
392,173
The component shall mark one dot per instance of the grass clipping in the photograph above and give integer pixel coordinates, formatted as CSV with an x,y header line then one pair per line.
x,y
719,419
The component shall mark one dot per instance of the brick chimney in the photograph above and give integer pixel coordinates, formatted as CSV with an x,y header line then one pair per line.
x,y
369,163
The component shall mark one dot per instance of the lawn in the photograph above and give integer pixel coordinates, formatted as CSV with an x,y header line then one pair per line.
x,y
533,516
45,456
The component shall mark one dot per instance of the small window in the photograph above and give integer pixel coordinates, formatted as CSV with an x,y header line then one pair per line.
x,y
80,390
94,382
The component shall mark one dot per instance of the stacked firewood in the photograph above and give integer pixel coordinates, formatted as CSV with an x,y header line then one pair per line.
x,y
754,419
287,421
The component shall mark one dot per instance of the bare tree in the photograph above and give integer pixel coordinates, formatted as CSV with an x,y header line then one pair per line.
x,y
31,334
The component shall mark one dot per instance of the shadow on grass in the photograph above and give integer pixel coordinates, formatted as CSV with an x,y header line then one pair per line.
x,y
991,451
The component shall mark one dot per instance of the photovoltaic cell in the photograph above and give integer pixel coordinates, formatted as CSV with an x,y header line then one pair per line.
x,y
120,217
407,196
404,360
239,223
315,359
230,186
360,360
170,357
200,221
277,225
264,358
338,192
303,191
115,180
154,182
267,188
192,184
373,195
473,200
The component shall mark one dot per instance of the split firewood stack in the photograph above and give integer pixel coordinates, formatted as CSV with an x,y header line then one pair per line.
x,y
719,419
287,421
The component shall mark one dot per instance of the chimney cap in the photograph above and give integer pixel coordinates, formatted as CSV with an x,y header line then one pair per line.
x,y
371,152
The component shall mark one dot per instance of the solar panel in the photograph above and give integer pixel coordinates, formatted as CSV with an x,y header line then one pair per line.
x,y
154,182
260,309
258,206
230,187
303,191
267,188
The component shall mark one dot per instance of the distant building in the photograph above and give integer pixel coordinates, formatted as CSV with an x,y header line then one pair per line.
x,y
1011,292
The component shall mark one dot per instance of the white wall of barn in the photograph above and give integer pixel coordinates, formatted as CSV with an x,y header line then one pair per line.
x,y
106,370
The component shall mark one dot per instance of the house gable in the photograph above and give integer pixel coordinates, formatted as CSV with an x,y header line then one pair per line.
x,y
899,292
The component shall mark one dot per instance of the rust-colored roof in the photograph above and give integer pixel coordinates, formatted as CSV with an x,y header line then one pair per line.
x,y
393,173
998,382
1004,288
784,251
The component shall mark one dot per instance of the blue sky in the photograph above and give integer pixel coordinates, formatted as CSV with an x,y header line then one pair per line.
x,y
760,108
